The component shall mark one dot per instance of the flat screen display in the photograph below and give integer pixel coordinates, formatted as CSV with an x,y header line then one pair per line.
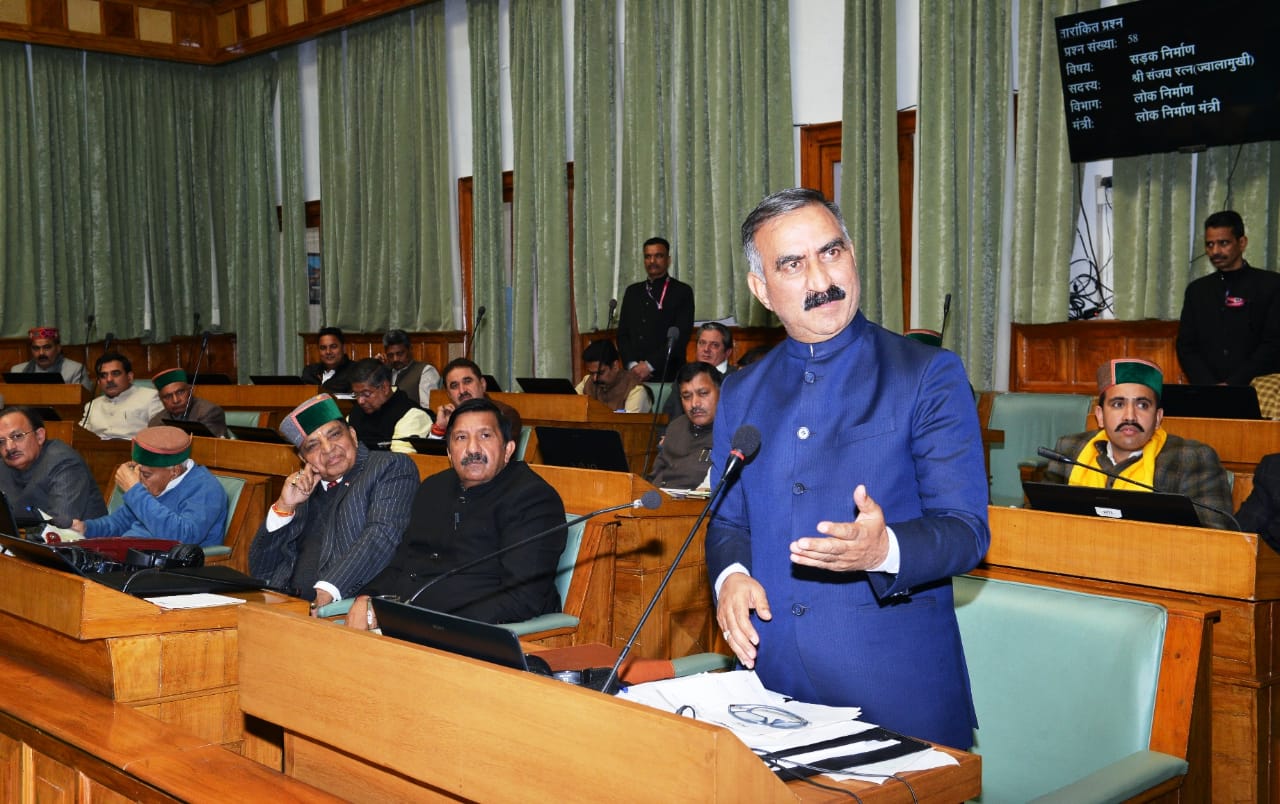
x,y
1155,76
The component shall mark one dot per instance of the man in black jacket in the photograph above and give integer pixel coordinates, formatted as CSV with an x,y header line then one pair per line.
x,y
649,310
333,372
462,516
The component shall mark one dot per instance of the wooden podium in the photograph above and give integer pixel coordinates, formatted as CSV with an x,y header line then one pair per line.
x,y
1234,573
176,666
394,721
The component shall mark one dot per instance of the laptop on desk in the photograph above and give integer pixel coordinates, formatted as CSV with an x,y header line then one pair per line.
x,y
1211,401
1142,506
265,435
147,583
428,446
275,379
446,632
582,448
195,428
546,385
34,378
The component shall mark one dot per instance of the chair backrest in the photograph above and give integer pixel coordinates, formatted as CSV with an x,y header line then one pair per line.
x,y
568,558
658,393
1064,682
246,418
1029,421
232,486
522,442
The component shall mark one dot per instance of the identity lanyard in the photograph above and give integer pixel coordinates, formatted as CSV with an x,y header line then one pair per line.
x,y
658,301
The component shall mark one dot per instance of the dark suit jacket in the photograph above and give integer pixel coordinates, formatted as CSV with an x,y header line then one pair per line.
x,y
1182,467
360,535
642,327
1261,512
203,411
339,383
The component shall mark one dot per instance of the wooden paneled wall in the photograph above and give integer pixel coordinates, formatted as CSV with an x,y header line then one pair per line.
x,y
1063,358
436,348
147,358
198,31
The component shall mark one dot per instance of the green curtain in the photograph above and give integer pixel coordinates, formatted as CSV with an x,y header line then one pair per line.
x,y
707,134
244,209
595,153
869,156
492,349
1046,192
384,209
539,210
965,96
732,141
1153,250
27,296
292,277
646,139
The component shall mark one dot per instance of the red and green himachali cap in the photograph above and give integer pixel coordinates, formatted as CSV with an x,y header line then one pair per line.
x,y
308,417
168,377
161,446
1130,369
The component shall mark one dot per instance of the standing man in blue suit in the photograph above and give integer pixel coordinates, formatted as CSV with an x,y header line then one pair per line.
x,y
832,555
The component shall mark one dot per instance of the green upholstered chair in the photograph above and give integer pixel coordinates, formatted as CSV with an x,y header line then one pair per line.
x,y
1065,686
245,418
1029,421
658,393
231,485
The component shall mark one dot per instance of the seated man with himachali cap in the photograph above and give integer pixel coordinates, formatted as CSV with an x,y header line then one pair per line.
x,y
174,389
339,519
166,494
1131,443
47,357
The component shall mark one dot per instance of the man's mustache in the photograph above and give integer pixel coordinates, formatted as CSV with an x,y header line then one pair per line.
x,y
474,457
814,299
1132,424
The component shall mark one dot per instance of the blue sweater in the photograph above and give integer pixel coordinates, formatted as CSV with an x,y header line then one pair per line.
x,y
194,512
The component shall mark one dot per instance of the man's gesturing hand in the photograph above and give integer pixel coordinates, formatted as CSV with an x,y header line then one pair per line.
x,y
861,544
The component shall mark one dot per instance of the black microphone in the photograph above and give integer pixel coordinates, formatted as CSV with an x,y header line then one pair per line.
x,y
742,448
88,323
946,314
196,328
106,343
195,375
1045,452
471,342
651,499
613,310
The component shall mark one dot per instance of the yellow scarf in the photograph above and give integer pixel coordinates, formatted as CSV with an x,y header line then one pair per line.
x,y
1142,470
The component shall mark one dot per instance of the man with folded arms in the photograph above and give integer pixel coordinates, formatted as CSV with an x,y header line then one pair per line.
x,y
384,416
175,394
1132,444
485,502
166,494
338,520
46,357
42,473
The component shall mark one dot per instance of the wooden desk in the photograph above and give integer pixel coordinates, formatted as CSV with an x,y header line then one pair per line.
x,y
70,744
480,732
176,666
67,400
1240,443
575,410
1233,573
277,400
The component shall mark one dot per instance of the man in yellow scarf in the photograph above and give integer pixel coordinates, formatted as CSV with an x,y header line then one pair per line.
x,y
1133,445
